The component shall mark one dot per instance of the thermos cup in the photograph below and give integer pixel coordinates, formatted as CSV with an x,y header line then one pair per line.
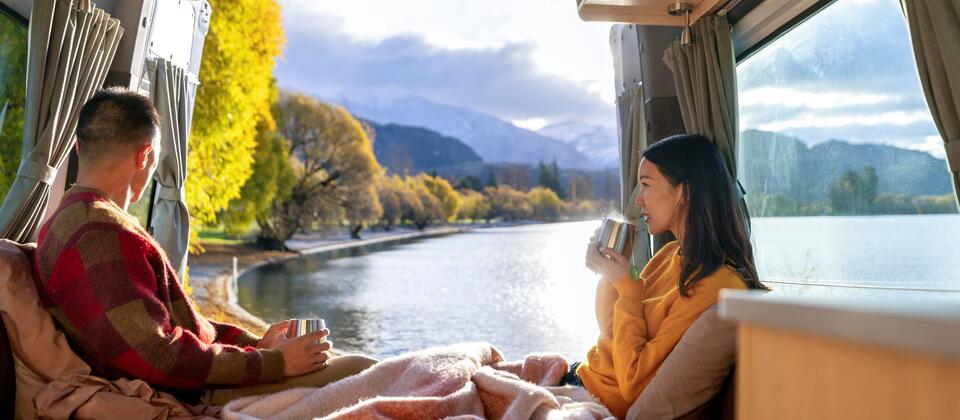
x,y
300,327
617,235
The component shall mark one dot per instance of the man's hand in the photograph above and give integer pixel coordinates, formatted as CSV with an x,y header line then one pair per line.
x,y
304,354
273,334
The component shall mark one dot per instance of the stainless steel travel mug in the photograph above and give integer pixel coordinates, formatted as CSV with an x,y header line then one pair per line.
x,y
300,327
617,235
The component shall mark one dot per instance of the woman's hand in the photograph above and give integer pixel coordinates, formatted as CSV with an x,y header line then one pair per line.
x,y
273,334
606,262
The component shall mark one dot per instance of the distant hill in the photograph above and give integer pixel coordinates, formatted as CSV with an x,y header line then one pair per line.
x,y
598,143
774,164
404,149
493,139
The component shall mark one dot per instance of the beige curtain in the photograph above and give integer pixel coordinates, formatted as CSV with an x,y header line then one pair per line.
x,y
705,74
935,34
633,140
173,96
72,44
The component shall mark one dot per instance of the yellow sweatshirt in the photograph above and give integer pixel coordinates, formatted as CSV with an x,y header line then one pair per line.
x,y
649,317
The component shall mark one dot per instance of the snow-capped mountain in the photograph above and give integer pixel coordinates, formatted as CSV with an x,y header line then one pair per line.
x,y
597,142
493,139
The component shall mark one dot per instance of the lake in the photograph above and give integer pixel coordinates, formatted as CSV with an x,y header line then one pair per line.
x,y
525,289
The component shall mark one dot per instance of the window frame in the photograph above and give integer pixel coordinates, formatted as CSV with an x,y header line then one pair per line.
x,y
14,15
757,29
768,21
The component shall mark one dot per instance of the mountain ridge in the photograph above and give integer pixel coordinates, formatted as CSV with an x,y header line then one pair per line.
x,y
494,140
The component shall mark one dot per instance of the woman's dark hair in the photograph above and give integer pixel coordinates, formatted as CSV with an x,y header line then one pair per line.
x,y
716,232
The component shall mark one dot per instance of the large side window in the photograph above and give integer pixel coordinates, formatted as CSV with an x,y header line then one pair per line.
x,y
13,72
845,172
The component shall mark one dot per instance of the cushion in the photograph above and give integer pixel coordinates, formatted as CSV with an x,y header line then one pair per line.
x,y
40,351
693,373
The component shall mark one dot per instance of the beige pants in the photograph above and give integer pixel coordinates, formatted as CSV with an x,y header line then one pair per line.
x,y
337,368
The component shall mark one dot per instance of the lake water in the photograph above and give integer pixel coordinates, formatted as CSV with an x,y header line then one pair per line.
x,y
525,289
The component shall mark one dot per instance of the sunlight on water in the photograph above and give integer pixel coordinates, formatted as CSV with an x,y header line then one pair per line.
x,y
523,289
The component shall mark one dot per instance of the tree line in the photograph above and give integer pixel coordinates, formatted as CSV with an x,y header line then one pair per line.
x,y
854,193
315,169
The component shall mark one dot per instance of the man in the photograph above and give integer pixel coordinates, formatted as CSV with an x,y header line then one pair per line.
x,y
119,301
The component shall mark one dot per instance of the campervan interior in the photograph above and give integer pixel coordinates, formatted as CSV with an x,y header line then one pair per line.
x,y
822,344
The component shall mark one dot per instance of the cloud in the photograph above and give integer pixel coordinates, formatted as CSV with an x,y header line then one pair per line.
x,y
323,60
846,73
932,145
894,118
796,98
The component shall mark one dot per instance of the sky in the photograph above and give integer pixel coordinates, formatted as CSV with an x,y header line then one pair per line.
x,y
531,62
846,73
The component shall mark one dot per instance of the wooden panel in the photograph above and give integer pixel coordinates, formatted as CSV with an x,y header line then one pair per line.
x,y
788,375
643,12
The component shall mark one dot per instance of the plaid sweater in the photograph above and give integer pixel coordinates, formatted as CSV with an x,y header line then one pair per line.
x,y
113,292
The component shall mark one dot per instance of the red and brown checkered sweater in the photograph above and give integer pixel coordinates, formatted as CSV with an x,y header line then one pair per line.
x,y
113,292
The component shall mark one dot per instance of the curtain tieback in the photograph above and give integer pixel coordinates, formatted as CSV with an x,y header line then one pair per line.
x,y
953,154
170,193
37,171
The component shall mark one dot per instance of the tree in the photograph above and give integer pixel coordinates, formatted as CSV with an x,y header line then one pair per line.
x,y
440,188
332,160
474,206
239,53
516,176
362,207
470,182
580,187
491,179
13,38
855,193
271,181
549,177
545,203
611,186
508,203
423,208
389,193
583,209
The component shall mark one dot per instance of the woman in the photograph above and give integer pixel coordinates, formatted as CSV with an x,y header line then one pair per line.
x,y
684,189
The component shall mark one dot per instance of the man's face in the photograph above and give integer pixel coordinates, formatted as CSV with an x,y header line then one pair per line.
x,y
147,165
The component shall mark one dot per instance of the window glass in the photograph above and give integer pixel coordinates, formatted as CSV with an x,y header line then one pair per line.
x,y
13,71
845,172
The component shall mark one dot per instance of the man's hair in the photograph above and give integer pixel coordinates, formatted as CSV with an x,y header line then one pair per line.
x,y
115,118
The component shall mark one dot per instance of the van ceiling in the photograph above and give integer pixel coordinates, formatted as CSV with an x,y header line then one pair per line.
x,y
644,12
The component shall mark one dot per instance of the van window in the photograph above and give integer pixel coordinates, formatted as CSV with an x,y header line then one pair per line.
x,y
845,172
13,72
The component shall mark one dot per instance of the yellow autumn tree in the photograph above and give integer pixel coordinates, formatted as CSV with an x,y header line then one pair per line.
x,y
239,52
332,162
444,192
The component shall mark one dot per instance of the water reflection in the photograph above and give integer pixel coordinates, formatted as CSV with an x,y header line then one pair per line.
x,y
524,289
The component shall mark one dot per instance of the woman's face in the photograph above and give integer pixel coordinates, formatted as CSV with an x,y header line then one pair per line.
x,y
658,199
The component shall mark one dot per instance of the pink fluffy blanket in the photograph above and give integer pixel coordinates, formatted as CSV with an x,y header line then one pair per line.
x,y
467,381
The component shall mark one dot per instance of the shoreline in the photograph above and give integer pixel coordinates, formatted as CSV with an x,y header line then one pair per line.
x,y
211,277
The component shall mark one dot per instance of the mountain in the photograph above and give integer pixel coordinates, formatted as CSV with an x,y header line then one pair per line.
x,y
404,149
493,139
775,164
599,143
